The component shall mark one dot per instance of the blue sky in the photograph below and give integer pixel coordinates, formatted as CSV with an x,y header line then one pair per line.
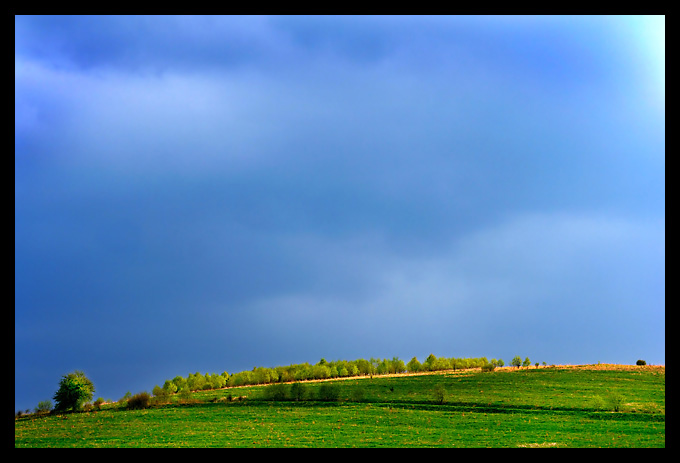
x,y
217,193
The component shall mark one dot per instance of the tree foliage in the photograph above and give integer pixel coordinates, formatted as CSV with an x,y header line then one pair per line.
x,y
324,369
413,366
329,392
75,389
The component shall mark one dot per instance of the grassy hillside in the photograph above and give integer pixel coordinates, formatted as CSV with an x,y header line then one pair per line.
x,y
545,407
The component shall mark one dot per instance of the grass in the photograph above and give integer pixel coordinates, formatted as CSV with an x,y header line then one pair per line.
x,y
547,407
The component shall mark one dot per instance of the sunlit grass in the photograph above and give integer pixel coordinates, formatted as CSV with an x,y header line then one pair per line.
x,y
530,408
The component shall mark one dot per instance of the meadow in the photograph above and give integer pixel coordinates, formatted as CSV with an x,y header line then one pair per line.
x,y
588,406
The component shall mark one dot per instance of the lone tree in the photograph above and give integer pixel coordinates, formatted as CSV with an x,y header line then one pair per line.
x,y
75,389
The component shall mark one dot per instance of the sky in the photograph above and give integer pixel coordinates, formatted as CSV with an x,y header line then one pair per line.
x,y
218,193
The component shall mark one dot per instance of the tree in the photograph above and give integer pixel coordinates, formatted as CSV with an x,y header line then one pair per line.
x,y
428,365
440,363
383,367
158,391
218,381
195,381
75,389
413,365
526,362
169,387
321,371
180,383
516,361
397,365
364,366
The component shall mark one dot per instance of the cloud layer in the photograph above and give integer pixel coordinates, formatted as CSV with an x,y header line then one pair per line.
x,y
216,193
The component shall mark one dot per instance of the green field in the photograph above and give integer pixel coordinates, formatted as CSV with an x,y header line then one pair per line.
x,y
544,407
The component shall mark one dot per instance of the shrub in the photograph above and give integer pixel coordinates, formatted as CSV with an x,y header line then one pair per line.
x,y
488,367
329,392
439,394
614,401
160,396
44,406
98,403
640,362
185,395
276,391
139,401
357,393
298,391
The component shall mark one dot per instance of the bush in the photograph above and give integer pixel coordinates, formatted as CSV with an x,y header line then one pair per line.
x,y
298,391
185,395
488,367
276,391
329,392
640,362
614,401
158,391
44,406
439,394
139,401
357,393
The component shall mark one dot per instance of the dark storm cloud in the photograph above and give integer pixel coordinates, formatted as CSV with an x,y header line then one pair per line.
x,y
215,193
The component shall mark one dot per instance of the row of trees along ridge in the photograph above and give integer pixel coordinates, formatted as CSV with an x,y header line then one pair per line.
x,y
322,370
